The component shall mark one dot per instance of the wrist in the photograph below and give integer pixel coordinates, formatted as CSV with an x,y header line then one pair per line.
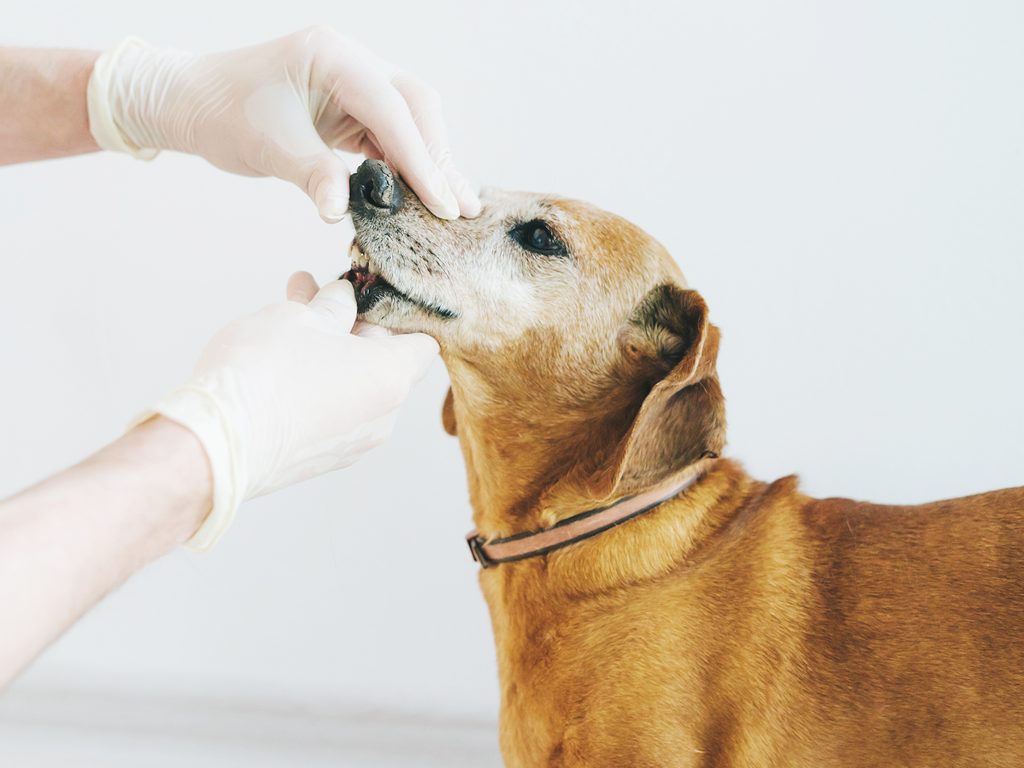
x,y
167,464
43,98
132,96
195,409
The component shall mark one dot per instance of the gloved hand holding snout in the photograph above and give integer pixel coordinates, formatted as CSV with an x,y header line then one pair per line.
x,y
295,390
280,109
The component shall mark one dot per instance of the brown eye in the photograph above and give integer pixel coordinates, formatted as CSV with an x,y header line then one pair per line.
x,y
536,237
540,237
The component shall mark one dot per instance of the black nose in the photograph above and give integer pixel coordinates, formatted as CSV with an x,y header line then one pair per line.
x,y
374,186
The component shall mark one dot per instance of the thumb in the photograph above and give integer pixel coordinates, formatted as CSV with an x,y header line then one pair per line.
x,y
417,349
295,151
301,287
336,303
321,175
327,186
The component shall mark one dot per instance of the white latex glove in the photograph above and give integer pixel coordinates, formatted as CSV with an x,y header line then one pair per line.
x,y
290,392
278,109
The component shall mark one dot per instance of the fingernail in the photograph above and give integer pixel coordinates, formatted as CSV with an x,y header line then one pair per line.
x,y
469,202
334,207
474,206
448,206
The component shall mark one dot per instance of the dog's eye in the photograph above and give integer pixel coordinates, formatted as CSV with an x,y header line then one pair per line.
x,y
535,236
540,238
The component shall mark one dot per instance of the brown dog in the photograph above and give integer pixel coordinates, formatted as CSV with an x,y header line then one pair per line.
x,y
738,623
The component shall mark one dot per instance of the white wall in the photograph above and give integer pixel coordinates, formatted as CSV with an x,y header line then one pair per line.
x,y
844,182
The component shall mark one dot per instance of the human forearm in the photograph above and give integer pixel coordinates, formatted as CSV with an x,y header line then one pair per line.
x,y
68,541
43,110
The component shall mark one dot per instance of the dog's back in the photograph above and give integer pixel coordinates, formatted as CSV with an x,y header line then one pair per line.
x,y
917,648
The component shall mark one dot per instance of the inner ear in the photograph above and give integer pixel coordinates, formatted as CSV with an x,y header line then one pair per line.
x,y
660,331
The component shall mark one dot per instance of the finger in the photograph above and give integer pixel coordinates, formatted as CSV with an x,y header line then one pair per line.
x,y
404,150
295,151
469,202
418,350
301,288
327,186
371,148
425,108
369,330
367,94
322,176
336,301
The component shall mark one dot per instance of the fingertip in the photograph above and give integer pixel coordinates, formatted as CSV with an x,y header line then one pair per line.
x,y
432,188
334,206
337,300
369,330
301,287
328,187
424,348
339,289
458,194
469,204
445,206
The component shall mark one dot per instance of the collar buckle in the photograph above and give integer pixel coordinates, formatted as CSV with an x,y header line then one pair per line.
x,y
476,548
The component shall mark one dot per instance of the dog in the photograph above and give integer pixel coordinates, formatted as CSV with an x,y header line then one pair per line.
x,y
652,604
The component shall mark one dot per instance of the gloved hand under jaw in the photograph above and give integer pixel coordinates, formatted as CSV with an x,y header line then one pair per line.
x,y
293,391
279,109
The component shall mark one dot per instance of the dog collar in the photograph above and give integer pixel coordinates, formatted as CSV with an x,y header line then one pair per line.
x,y
572,529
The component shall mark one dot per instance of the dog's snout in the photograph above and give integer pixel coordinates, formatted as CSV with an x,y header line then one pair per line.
x,y
374,186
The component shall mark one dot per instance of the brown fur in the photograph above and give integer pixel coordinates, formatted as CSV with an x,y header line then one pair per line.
x,y
739,624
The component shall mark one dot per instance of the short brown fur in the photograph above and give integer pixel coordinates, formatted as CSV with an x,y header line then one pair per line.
x,y
740,623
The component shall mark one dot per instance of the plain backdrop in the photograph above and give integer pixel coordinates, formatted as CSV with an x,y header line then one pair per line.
x,y
843,182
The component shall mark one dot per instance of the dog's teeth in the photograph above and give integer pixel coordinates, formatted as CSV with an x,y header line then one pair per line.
x,y
357,257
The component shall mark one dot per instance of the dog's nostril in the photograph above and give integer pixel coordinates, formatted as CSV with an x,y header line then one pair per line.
x,y
369,193
374,184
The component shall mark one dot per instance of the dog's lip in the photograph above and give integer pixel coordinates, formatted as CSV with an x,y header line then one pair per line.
x,y
371,286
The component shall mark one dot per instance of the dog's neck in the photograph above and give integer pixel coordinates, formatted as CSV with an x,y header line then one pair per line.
x,y
533,443
681,530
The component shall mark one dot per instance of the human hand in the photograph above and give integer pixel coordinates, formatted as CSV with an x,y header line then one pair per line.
x,y
293,391
279,109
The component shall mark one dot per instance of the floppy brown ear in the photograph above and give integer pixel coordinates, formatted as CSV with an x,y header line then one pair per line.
x,y
448,413
668,340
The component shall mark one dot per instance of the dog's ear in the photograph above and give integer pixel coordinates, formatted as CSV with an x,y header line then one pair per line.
x,y
668,345
448,413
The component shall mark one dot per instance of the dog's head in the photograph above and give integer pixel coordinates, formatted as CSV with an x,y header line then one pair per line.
x,y
567,332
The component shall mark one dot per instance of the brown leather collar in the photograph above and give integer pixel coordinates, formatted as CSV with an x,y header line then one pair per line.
x,y
572,529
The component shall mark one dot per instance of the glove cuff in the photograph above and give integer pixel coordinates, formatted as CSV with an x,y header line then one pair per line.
x,y
102,125
199,412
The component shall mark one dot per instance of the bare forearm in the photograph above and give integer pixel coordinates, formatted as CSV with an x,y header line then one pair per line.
x,y
69,541
43,111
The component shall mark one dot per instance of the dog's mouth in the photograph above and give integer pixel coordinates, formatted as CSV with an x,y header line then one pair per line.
x,y
371,288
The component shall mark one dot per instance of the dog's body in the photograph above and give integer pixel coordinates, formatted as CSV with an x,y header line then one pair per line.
x,y
738,623
787,631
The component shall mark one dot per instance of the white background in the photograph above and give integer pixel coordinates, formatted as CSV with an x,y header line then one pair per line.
x,y
843,181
